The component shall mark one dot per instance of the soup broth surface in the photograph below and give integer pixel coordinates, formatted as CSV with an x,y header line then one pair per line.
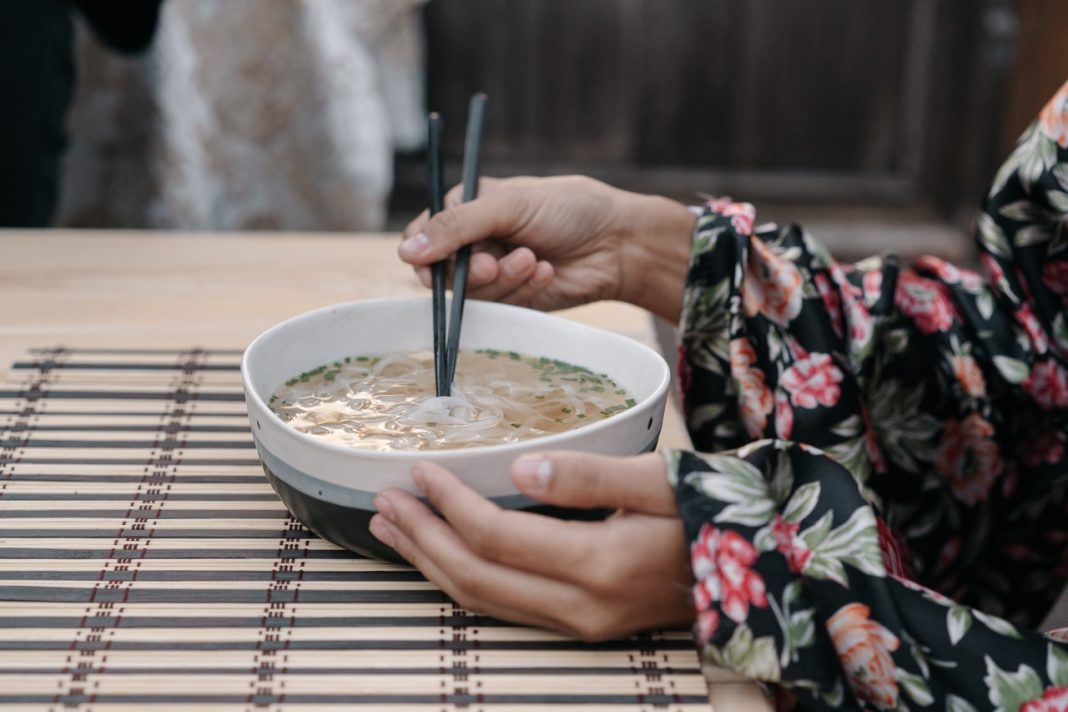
x,y
387,402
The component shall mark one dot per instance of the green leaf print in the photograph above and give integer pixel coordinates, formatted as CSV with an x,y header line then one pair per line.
x,y
738,483
1013,370
1058,200
1031,235
855,543
1060,172
1020,210
1057,665
802,502
903,430
958,621
992,237
707,316
915,687
1009,690
958,704
782,480
1034,154
754,658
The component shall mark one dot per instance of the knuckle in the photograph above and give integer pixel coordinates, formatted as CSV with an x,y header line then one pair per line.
x,y
485,537
593,624
469,586
446,221
603,575
581,479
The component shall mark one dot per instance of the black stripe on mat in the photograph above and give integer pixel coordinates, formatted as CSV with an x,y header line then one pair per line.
x,y
187,352
169,443
176,396
187,366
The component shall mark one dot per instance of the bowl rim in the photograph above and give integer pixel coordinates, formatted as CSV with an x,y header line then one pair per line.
x,y
450,454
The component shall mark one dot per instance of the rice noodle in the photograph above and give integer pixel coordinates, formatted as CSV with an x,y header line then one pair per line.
x,y
386,402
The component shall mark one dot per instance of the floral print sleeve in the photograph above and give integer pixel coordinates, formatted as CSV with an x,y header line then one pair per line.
x,y
884,522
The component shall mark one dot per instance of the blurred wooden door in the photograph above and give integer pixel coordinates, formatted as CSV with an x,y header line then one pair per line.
x,y
790,100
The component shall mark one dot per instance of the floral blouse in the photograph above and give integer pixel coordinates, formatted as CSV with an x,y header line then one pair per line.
x,y
884,520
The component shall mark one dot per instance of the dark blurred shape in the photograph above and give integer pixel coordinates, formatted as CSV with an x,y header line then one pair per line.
x,y
124,25
37,79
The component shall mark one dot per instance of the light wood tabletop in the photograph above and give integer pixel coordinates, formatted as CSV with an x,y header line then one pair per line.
x,y
166,290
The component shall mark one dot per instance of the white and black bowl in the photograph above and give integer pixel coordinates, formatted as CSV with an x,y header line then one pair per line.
x,y
330,488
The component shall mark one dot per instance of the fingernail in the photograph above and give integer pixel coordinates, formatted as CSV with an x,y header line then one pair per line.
x,y
382,530
415,246
533,472
419,478
385,508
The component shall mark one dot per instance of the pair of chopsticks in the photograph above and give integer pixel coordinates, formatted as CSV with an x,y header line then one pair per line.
x,y
447,345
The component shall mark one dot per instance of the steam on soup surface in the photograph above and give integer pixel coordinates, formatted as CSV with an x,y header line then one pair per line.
x,y
387,402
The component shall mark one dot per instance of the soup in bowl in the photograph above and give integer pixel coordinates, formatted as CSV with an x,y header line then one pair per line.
x,y
341,405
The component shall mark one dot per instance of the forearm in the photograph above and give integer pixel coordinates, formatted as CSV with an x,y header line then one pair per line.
x,y
655,245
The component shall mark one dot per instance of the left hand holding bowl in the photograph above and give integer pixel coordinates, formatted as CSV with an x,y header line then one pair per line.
x,y
592,580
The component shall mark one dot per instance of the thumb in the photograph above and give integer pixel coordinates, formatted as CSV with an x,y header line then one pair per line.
x,y
573,479
442,235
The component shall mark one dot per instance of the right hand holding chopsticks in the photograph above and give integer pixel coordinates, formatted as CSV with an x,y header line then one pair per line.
x,y
552,243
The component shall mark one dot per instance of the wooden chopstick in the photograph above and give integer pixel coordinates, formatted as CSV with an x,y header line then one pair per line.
x,y
472,146
436,188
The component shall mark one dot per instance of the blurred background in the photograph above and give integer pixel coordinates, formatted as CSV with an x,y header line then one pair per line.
x,y
878,125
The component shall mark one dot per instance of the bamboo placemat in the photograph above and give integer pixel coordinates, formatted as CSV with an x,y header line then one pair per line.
x,y
145,563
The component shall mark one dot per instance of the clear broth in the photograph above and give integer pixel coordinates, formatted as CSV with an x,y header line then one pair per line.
x,y
387,402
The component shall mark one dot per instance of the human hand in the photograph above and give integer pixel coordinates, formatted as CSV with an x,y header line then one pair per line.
x,y
591,580
552,243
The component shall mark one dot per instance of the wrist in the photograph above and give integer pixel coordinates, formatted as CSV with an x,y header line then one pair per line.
x,y
655,239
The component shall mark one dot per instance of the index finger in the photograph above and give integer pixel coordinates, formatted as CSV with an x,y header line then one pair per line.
x,y
497,214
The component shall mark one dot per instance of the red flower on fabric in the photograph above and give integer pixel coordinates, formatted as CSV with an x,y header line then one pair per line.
x,y
789,544
969,375
784,416
1053,119
1054,699
950,551
992,267
1048,384
864,647
779,283
831,302
1046,447
754,397
924,301
742,215
1055,276
855,310
873,286
969,457
813,381
1026,318
949,273
1060,634
893,549
685,376
722,561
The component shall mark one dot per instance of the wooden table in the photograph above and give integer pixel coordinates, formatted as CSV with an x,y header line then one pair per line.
x,y
122,289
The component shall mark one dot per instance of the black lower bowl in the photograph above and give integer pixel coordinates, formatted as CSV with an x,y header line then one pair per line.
x,y
349,526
